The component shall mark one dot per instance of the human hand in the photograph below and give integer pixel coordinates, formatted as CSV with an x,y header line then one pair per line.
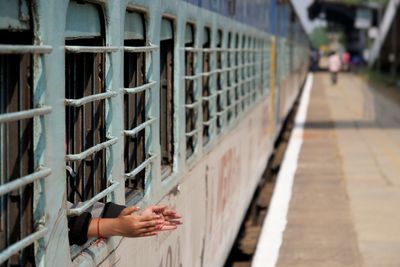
x,y
131,224
170,218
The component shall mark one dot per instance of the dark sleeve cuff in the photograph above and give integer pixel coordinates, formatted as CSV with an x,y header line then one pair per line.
x,y
112,210
78,227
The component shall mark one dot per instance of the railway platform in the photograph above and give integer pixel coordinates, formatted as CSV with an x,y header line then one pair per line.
x,y
337,199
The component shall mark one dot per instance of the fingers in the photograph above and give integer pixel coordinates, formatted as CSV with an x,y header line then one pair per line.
x,y
149,217
151,223
158,208
150,229
129,210
174,222
168,227
148,234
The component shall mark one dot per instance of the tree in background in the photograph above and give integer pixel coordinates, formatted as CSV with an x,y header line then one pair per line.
x,y
319,37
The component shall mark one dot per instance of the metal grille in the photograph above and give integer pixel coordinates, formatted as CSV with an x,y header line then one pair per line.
x,y
17,166
244,73
166,104
85,124
229,95
136,158
86,139
206,87
220,83
134,111
190,97
237,75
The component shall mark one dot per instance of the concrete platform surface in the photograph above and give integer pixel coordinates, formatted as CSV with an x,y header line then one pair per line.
x,y
345,205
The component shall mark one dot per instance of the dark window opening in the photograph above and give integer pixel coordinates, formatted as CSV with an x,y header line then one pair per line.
x,y
191,113
85,125
206,85
166,100
134,115
220,103
16,148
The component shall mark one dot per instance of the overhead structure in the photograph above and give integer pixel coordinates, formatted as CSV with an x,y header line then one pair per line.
x,y
353,19
385,50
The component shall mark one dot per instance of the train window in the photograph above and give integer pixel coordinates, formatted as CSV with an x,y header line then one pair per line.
x,y
19,108
190,97
220,87
229,95
261,68
265,65
86,96
244,73
16,153
206,85
236,74
253,68
135,121
166,95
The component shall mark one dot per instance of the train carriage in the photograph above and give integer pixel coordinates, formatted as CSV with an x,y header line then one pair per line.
x,y
139,102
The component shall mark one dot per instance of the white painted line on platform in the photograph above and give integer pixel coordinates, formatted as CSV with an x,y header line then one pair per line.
x,y
274,225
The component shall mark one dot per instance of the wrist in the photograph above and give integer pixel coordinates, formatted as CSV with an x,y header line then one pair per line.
x,y
108,227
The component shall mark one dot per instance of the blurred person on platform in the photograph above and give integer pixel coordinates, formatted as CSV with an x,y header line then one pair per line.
x,y
346,61
334,65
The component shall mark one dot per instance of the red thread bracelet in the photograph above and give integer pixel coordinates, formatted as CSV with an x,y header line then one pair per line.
x,y
98,229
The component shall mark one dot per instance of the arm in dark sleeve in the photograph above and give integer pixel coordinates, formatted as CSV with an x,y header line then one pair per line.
x,y
78,227
112,210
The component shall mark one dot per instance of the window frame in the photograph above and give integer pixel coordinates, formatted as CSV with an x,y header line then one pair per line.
x,y
35,112
168,168
111,184
192,103
149,122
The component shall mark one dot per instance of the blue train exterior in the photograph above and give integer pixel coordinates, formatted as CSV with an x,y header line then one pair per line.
x,y
139,102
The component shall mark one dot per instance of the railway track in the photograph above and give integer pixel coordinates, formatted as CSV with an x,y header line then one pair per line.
x,y
246,242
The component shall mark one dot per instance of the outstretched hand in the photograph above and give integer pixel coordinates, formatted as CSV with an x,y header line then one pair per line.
x,y
133,223
170,218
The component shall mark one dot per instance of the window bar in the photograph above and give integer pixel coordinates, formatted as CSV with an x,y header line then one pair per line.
x,y
195,131
23,243
139,89
223,91
93,200
193,49
193,77
92,150
91,98
140,127
25,49
221,113
210,97
26,114
22,181
140,49
194,104
141,167
210,121
90,49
